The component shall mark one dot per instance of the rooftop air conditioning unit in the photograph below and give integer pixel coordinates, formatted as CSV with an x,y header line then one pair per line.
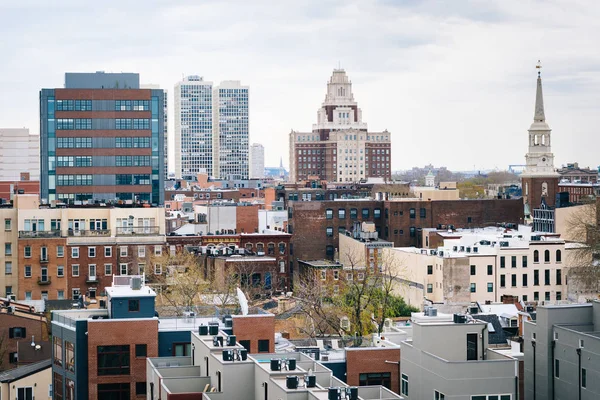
x,y
468,249
462,248
433,312
433,252
473,310
454,248
475,249
12,297
441,253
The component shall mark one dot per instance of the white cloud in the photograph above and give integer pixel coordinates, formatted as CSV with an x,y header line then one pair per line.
x,y
453,81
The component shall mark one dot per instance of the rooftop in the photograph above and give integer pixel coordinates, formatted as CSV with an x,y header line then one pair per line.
x,y
21,372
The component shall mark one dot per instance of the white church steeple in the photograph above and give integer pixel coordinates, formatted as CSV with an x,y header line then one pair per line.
x,y
539,159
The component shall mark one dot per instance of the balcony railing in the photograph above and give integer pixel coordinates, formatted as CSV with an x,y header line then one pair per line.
x,y
44,280
38,234
138,230
43,258
91,279
94,232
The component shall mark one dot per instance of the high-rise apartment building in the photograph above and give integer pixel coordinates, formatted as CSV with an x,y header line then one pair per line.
x,y
257,161
340,148
211,128
231,130
101,139
166,125
19,152
193,126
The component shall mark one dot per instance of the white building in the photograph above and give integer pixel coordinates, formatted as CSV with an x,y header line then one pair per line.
x,y
257,161
193,126
19,152
231,131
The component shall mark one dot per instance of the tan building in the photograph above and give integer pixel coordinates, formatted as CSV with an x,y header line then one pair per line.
x,y
33,381
8,253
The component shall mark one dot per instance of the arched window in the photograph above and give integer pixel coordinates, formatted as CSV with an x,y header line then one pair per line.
x,y
547,256
558,256
281,248
249,246
260,248
271,248
536,256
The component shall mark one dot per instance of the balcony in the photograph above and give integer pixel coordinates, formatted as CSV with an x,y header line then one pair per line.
x,y
43,258
95,232
138,231
91,279
44,280
38,234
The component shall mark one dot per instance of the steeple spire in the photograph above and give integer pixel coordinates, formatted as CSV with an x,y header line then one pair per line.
x,y
539,115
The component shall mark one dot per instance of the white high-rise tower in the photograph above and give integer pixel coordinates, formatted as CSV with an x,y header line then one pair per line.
x,y
257,161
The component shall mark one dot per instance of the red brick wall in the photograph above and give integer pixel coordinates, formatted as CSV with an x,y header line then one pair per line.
x,y
84,261
30,187
247,219
34,325
253,328
372,360
118,332
270,197
534,197
31,284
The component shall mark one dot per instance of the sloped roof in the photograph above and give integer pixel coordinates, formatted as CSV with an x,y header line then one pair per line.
x,y
497,337
24,371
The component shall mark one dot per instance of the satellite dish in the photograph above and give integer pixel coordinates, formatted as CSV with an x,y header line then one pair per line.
x,y
243,301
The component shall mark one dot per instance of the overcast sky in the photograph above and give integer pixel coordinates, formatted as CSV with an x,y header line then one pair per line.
x,y
453,81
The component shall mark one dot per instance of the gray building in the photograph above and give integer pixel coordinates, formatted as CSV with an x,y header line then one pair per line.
x,y
102,139
449,357
562,353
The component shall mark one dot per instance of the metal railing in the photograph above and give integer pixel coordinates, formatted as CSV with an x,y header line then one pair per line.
x,y
63,320
91,279
44,281
38,234
138,230
91,232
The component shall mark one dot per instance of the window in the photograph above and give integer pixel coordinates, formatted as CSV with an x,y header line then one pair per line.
x,y
336,275
490,269
413,231
157,250
557,368
547,256
365,213
404,387
558,256
524,262
60,270
502,262
502,280
141,350
107,251
558,277
57,384
513,280
430,270
329,213
60,251
536,256
423,213
583,378
323,275
91,252
558,296
157,269
28,271
429,288
140,388
8,268
25,393
17,333
7,224
524,280
70,356
536,296
75,270
472,270
123,251
513,261
547,296
281,248
60,294
134,305
141,251
375,378
438,396
7,290
342,213
27,295
412,213
263,345
74,252
473,287
114,391
113,360
536,277
329,231
490,287
271,248
329,250
377,213
13,358
8,250
182,349
547,277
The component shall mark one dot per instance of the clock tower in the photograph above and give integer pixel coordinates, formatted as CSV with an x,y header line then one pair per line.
x,y
539,179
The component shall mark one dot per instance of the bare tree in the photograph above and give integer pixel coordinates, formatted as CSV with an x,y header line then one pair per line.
x,y
179,278
584,255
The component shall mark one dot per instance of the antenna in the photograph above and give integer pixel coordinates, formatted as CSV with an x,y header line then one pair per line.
x,y
539,67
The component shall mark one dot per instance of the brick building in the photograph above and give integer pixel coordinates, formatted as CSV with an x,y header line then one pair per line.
x,y
339,148
19,324
101,139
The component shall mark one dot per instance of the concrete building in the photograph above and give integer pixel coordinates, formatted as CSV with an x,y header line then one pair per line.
x,y
572,173
33,381
539,179
257,161
461,366
561,352
166,126
19,152
102,140
339,148
231,130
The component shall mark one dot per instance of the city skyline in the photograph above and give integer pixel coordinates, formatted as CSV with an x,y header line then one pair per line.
x,y
455,75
